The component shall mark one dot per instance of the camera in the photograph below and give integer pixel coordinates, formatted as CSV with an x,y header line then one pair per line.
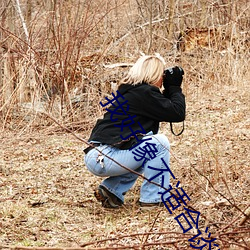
x,y
173,76
171,70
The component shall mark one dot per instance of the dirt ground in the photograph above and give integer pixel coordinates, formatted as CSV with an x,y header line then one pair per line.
x,y
46,192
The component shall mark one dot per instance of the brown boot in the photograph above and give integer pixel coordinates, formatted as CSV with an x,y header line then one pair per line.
x,y
107,199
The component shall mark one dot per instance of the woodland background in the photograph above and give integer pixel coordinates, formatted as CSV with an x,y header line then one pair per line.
x,y
59,59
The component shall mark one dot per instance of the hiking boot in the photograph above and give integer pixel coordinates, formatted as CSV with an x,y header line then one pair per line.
x,y
107,199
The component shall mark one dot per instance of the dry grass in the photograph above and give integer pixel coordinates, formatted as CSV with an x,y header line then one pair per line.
x,y
46,193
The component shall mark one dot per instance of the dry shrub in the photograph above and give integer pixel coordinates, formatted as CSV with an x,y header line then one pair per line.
x,y
60,66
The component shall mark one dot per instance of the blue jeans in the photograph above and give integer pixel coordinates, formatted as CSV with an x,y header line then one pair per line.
x,y
120,180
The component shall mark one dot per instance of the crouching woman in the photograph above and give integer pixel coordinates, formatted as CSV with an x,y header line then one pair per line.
x,y
128,133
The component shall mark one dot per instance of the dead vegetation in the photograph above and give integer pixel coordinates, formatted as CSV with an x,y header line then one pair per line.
x,y
56,60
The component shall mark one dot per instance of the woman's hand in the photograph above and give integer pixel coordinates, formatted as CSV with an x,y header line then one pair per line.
x,y
173,77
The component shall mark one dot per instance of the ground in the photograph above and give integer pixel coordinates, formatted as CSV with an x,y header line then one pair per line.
x,y
46,192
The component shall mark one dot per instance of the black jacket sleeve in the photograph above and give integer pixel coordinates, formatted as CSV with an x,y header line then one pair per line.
x,y
170,108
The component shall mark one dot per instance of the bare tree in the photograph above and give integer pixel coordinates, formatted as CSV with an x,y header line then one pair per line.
x,y
150,10
203,22
6,62
171,19
27,86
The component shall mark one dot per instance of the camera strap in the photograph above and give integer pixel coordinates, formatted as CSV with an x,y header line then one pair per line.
x,y
172,130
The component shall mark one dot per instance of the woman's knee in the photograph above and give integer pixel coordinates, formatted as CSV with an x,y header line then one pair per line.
x,y
161,139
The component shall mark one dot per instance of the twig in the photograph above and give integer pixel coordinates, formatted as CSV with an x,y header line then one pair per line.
x,y
19,11
223,179
81,247
147,235
38,248
228,233
217,190
236,244
227,226
139,234
111,66
244,219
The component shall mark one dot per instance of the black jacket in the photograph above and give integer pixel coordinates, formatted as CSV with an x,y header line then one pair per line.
x,y
147,104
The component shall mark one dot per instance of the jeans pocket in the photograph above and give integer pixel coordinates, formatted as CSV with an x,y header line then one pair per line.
x,y
95,161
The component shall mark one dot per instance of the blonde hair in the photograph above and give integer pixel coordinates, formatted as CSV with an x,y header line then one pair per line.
x,y
148,69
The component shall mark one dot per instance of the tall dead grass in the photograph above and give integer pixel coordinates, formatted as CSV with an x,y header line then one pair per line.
x,y
62,69
52,54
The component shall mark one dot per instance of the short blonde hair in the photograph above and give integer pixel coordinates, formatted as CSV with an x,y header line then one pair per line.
x,y
148,69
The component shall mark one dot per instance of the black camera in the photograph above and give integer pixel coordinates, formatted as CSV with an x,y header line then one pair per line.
x,y
171,70
173,76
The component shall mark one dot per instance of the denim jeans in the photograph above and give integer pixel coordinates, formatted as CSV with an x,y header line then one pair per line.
x,y
120,180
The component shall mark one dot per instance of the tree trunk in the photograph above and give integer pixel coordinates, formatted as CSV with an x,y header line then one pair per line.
x,y
171,20
150,10
6,66
28,87
203,20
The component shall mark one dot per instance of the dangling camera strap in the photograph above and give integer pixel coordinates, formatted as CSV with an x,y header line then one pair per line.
x,y
172,130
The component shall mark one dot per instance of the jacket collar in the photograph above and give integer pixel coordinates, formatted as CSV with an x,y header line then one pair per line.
x,y
126,87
